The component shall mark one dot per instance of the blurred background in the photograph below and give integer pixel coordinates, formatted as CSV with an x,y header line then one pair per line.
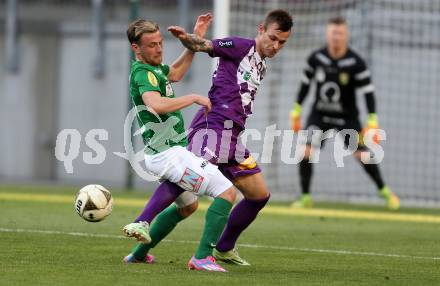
x,y
65,65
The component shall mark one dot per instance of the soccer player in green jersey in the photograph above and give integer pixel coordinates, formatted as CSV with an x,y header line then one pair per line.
x,y
158,114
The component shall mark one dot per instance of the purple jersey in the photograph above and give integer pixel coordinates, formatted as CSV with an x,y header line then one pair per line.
x,y
236,79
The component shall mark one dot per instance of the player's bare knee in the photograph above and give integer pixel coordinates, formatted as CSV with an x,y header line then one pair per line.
x,y
188,210
257,193
252,187
230,195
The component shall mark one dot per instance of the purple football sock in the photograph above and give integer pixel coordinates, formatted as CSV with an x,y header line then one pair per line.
x,y
164,195
240,218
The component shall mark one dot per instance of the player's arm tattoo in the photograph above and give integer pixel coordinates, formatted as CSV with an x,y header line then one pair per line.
x,y
197,44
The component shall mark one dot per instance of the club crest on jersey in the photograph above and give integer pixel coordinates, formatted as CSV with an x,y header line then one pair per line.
x,y
344,78
247,76
226,44
190,181
152,79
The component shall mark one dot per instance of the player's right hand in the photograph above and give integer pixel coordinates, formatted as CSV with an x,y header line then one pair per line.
x,y
202,24
295,123
178,32
295,118
370,131
203,101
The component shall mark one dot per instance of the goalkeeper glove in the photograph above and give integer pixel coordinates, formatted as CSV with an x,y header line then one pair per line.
x,y
371,129
295,117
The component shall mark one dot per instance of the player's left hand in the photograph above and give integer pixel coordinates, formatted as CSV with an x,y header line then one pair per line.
x,y
202,24
178,32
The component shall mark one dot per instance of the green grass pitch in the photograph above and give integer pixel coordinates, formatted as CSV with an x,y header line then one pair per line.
x,y
44,242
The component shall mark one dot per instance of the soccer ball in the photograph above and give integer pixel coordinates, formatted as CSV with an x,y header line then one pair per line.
x,y
93,203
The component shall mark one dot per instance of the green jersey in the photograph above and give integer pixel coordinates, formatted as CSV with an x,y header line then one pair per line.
x,y
159,132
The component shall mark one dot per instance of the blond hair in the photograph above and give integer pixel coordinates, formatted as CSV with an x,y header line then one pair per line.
x,y
139,27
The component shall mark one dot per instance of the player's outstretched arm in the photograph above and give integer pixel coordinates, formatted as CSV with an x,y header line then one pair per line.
x,y
192,42
162,105
181,65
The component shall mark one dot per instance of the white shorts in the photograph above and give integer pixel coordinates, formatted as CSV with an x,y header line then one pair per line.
x,y
192,173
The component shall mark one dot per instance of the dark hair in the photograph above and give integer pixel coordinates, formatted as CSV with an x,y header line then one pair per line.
x,y
281,17
337,21
139,27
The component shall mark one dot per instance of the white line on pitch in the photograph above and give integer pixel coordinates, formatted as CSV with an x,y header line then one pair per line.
x,y
315,250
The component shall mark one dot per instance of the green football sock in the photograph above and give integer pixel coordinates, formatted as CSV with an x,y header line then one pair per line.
x,y
215,221
164,223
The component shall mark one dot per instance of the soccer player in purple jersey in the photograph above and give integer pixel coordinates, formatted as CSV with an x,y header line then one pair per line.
x,y
241,68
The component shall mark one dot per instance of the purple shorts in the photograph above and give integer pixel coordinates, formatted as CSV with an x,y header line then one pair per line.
x,y
217,140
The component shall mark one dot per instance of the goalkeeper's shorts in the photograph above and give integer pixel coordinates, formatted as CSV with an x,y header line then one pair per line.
x,y
318,124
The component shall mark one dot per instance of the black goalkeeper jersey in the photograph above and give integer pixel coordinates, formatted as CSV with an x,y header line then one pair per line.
x,y
337,84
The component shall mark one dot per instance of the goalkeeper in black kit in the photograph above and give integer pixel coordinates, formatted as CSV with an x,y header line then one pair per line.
x,y
339,74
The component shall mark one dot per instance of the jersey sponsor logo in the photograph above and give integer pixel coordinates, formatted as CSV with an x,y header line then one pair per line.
x,y
330,92
191,181
226,44
344,78
329,98
152,79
